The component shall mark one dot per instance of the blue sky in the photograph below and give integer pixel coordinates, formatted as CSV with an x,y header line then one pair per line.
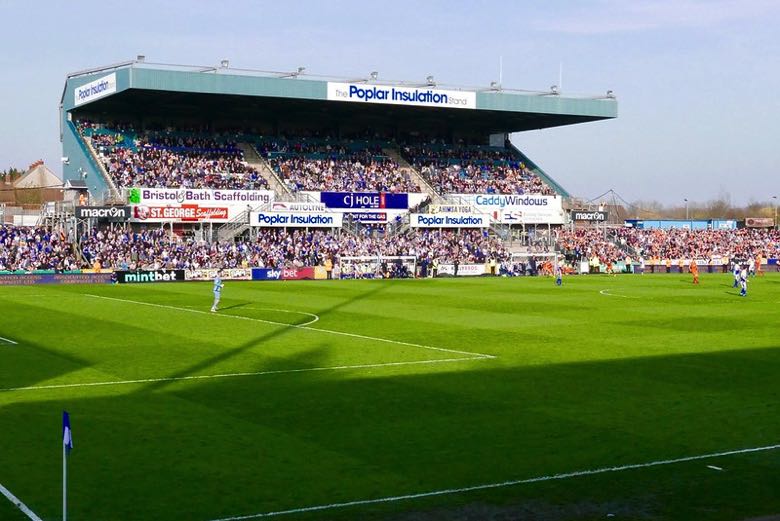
x,y
697,81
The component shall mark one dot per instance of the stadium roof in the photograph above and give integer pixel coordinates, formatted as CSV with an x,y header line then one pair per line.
x,y
240,95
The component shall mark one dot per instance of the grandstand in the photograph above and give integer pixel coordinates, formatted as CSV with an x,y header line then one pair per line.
x,y
305,118
172,141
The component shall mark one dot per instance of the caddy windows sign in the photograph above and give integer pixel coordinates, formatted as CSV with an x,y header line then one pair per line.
x,y
295,220
525,208
395,95
448,220
103,213
503,201
95,89
368,200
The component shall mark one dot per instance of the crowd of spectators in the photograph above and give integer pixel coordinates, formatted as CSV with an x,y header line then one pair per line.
x,y
481,179
456,169
172,159
322,165
701,244
279,248
585,244
35,248
38,248
213,160
154,167
355,172
616,244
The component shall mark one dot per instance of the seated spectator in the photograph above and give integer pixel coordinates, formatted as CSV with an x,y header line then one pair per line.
x,y
171,160
336,166
468,170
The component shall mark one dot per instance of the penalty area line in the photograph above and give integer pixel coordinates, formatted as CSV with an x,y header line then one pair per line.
x,y
305,327
18,504
4,340
238,375
502,484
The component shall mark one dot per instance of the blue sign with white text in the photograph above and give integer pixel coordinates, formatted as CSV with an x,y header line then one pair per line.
x,y
266,274
374,200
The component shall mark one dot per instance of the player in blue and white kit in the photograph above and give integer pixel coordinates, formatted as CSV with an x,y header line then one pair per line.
x,y
736,274
743,280
558,275
218,285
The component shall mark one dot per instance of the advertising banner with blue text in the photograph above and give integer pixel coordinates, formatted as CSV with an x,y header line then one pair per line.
x,y
427,96
448,220
530,209
295,220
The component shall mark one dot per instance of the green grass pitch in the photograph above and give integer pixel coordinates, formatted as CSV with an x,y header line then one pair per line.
x,y
303,394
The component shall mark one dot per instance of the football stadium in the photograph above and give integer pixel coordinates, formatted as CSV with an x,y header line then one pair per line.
x,y
281,295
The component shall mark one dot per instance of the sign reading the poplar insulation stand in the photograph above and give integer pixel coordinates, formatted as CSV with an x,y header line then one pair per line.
x,y
396,95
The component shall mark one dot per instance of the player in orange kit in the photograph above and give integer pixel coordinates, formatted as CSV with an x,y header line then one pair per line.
x,y
695,271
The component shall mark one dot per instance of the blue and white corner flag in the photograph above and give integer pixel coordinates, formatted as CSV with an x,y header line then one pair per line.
x,y
67,437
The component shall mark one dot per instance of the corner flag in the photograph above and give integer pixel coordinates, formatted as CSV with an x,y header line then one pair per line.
x,y
67,445
67,437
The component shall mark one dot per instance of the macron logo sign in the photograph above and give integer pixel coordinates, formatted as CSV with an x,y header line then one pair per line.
x,y
95,89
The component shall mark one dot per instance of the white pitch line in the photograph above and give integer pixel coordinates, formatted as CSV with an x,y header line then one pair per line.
x,y
330,331
237,375
315,319
605,293
502,484
18,504
3,339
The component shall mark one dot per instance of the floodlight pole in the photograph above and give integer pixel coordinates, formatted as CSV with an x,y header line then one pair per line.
x,y
686,209
774,197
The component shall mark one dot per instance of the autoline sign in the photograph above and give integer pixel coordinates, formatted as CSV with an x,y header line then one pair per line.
x,y
410,96
95,89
